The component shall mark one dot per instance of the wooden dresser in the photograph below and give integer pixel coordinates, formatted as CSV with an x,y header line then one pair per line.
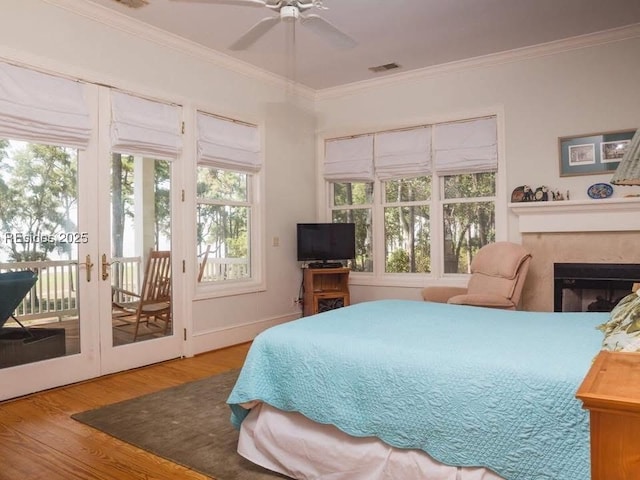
x,y
611,393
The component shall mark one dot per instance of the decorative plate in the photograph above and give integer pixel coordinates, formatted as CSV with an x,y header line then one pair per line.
x,y
600,190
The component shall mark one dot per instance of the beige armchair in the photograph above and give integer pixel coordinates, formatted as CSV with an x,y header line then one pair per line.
x,y
498,272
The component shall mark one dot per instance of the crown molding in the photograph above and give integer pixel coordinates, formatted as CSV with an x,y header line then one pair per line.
x,y
119,21
509,56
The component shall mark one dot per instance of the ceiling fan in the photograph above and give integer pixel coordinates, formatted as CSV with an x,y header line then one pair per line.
x,y
288,11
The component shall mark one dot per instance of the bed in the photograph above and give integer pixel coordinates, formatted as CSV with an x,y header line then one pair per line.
x,y
431,390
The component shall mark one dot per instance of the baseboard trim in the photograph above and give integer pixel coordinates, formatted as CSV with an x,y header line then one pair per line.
x,y
228,336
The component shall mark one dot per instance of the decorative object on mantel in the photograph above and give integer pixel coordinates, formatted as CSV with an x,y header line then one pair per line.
x,y
522,193
594,153
628,171
600,190
525,193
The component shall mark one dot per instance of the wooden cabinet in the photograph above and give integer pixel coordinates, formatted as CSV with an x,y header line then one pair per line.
x,y
611,393
325,289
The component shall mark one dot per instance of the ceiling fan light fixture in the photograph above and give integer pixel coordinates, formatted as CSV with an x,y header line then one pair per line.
x,y
289,13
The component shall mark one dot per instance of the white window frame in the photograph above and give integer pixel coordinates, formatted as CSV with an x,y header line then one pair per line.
x,y
437,276
255,282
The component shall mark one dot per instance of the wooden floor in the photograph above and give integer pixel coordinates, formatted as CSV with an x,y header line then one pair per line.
x,y
39,440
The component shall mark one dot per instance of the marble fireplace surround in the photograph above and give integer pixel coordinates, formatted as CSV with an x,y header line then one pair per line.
x,y
581,231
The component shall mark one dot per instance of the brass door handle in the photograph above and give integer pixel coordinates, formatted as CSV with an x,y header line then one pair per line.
x,y
105,267
88,265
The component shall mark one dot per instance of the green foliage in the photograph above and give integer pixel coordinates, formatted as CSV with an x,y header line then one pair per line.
x,y
468,220
467,225
398,261
38,194
222,223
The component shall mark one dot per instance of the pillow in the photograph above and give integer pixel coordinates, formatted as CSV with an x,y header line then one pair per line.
x,y
622,331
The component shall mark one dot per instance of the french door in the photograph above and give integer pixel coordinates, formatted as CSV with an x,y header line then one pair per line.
x,y
85,223
135,205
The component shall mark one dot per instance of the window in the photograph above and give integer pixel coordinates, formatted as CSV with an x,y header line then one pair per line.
x,y
468,217
353,203
224,210
406,225
227,215
437,202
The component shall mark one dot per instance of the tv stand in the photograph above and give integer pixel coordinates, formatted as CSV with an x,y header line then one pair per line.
x,y
325,289
326,265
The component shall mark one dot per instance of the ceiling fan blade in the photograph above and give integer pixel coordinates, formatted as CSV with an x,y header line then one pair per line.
x,y
254,33
246,3
326,30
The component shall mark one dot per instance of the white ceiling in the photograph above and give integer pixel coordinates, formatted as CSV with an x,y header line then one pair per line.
x,y
413,33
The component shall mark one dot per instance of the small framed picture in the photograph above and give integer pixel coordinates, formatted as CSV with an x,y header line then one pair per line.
x,y
593,153
613,151
582,154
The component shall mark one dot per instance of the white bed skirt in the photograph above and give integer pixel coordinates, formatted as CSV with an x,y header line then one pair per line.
x,y
293,445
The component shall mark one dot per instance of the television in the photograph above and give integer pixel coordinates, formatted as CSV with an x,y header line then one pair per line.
x,y
326,243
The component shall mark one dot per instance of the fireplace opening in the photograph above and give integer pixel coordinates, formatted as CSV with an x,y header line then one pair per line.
x,y
592,287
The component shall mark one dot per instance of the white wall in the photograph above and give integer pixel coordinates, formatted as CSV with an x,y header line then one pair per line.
x,y
71,42
586,90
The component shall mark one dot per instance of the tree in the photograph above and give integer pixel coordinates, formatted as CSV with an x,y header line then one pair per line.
x,y
223,216
407,225
162,200
38,194
467,225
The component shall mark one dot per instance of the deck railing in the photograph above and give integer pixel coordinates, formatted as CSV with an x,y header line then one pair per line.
x,y
55,294
218,269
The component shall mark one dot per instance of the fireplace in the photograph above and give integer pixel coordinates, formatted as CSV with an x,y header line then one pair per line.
x,y
592,287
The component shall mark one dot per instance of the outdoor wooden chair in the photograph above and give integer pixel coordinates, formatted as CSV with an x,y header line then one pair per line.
x,y
203,263
153,303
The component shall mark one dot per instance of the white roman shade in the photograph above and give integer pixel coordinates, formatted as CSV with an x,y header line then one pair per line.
x,y
349,159
403,154
42,108
145,127
227,144
466,147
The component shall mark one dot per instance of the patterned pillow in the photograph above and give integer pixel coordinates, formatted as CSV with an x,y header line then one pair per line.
x,y
622,331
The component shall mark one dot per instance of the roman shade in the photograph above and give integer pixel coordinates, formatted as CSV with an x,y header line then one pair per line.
x,y
466,147
227,144
145,127
403,153
42,108
349,159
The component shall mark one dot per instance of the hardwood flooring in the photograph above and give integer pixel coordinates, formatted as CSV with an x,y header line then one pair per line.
x,y
39,440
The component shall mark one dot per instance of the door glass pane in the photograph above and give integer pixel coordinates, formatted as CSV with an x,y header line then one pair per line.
x,y
140,248
39,311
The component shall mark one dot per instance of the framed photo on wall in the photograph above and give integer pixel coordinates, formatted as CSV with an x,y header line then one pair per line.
x,y
593,153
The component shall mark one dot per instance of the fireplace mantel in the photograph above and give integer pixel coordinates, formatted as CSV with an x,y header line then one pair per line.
x,y
606,215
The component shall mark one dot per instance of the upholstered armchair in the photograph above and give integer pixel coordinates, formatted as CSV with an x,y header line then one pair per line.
x,y
498,272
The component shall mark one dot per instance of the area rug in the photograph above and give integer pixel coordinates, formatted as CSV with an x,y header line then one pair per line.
x,y
188,424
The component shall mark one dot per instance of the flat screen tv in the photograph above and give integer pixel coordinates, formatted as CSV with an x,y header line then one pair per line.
x,y
324,243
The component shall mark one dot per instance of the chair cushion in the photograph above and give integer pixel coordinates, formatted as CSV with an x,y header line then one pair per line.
x,y
500,259
483,300
495,269
441,294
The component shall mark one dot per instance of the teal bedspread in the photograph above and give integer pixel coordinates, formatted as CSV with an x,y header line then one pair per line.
x,y
470,386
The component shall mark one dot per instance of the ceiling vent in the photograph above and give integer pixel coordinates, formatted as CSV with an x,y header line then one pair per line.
x,y
385,67
134,3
